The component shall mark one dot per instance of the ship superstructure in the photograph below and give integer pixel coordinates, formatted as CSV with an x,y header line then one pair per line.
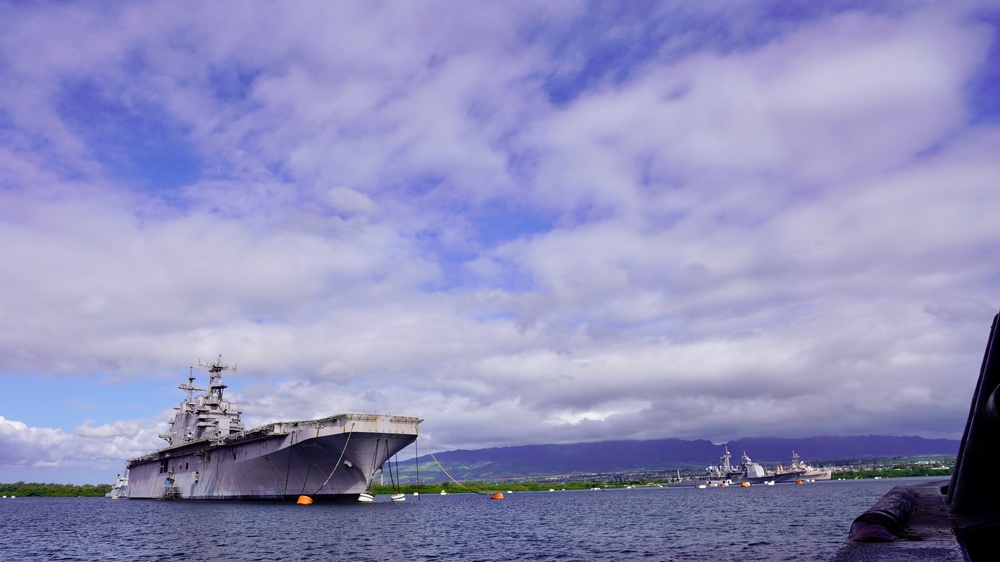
x,y
747,471
211,456
807,472
208,416
120,488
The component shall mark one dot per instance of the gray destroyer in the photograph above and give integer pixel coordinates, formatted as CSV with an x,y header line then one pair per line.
x,y
210,456
746,473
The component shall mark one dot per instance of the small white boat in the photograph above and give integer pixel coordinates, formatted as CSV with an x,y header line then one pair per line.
x,y
120,488
443,493
769,483
365,497
398,497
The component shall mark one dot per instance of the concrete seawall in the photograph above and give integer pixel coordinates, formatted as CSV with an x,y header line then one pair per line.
x,y
909,523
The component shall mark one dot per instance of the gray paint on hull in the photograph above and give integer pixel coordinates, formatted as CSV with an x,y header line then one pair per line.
x,y
322,460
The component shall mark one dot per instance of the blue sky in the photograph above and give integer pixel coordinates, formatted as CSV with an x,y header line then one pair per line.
x,y
537,222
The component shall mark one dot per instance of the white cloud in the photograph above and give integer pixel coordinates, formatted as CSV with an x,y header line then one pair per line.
x,y
387,208
103,447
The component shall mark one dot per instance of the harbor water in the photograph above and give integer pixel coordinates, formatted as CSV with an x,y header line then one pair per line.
x,y
782,522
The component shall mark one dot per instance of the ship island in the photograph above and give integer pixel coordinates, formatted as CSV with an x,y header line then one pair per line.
x,y
211,456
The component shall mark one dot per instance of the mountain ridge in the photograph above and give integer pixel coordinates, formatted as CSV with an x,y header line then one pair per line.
x,y
540,461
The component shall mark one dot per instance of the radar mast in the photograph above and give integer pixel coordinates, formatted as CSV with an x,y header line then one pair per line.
x,y
189,387
215,384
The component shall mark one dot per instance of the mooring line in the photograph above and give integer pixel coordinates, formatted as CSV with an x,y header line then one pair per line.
x,y
346,443
431,453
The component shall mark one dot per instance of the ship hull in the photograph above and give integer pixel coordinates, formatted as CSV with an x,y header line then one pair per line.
x,y
778,478
328,460
736,479
818,474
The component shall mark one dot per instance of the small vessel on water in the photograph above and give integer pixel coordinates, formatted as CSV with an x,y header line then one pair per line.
x,y
120,488
210,456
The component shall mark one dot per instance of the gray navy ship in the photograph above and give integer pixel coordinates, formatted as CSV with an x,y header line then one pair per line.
x,y
210,456
749,473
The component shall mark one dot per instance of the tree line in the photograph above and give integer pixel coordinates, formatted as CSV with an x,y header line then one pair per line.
x,y
897,471
37,489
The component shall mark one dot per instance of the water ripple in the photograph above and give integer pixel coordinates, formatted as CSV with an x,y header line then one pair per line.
x,y
759,523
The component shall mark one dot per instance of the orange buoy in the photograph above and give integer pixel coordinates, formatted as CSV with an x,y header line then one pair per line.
x,y
745,484
497,496
304,500
798,481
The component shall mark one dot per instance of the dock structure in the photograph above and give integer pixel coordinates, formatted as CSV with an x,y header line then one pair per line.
x,y
956,519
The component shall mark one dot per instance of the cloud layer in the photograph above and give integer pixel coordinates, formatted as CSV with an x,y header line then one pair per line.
x,y
524,223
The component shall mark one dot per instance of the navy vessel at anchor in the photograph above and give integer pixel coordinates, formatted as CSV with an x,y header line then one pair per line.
x,y
211,456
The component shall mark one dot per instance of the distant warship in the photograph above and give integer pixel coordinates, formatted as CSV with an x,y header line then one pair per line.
x,y
211,456
120,489
749,472
807,471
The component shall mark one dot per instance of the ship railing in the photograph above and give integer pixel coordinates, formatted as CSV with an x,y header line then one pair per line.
x,y
244,436
283,427
342,419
